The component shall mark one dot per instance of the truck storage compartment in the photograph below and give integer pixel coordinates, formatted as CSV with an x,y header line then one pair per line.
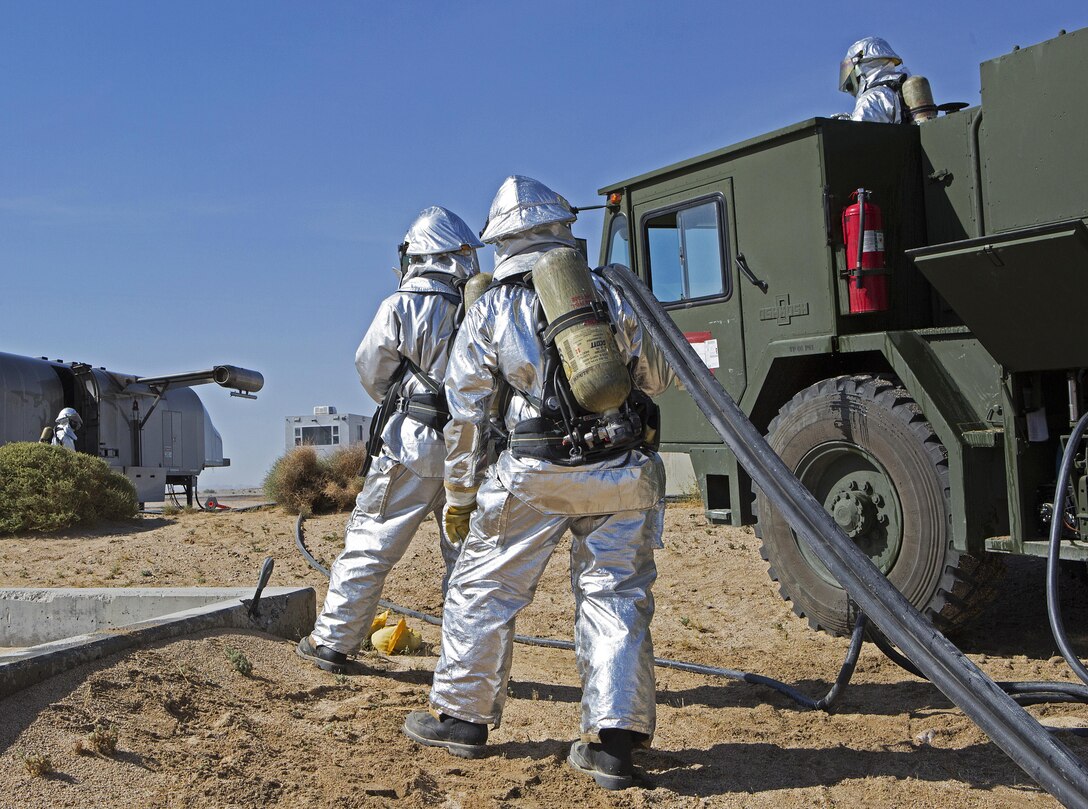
x,y
1022,293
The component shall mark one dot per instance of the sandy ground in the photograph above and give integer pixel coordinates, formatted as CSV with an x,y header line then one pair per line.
x,y
193,732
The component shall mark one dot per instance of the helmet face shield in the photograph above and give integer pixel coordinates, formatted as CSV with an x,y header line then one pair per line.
x,y
848,80
864,52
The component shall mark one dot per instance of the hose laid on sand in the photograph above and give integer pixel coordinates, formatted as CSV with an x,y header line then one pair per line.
x,y
824,703
1025,693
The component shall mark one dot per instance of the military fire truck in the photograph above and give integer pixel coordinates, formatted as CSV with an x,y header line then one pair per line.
x,y
901,309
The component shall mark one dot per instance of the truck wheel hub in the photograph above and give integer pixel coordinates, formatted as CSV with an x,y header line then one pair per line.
x,y
856,490
854,512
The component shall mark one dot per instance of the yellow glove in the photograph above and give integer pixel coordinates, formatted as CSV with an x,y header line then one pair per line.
x,y
455,519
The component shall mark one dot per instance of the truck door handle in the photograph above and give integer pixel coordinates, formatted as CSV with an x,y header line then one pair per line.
x,y
742,265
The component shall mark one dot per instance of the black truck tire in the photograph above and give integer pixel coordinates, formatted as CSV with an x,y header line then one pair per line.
x,y
863,447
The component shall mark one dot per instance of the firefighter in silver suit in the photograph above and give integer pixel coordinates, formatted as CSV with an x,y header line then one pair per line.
x,y
402,364
514,513
873,73
63,432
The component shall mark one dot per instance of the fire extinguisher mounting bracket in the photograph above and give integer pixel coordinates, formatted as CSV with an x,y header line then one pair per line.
x,y
854,273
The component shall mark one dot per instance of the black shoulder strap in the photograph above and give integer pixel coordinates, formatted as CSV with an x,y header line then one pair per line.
x,y
895,83
381,417
425,378
454,293
521,279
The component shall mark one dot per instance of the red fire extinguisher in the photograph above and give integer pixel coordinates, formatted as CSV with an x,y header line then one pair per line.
x,y
867,278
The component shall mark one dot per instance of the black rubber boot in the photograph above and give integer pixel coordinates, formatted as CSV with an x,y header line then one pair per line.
x,y
609,762
464,739
322,656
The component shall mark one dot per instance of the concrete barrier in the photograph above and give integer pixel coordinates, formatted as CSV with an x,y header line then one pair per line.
x,y
104,621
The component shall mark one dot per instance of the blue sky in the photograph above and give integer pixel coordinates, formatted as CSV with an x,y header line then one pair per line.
x,y
193,183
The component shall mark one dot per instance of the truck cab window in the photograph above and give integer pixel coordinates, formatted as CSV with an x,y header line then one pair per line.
x,y
685,252
618,249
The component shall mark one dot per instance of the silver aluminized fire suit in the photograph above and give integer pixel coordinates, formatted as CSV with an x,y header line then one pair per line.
x,y
404,483
64,430
614,509
872,72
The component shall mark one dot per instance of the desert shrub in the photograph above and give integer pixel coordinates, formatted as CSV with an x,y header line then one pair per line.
x,y
44,488
37,765
101,740
239,661
302,482
345,483
297,482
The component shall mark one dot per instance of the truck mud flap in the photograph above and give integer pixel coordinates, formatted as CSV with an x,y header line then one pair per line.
x,y
1050,763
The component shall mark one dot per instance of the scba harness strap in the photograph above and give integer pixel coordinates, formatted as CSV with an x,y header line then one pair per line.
x,y
565,433
426,408
896,85
596,310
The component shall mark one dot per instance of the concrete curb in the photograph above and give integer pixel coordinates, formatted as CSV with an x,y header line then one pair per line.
x,y
289,612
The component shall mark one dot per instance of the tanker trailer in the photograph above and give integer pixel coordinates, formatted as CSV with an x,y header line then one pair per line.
x,y
154,430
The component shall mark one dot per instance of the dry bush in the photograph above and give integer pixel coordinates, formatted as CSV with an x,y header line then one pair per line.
x,y
345,482
44,488
297,481
302,482
37,765
102,740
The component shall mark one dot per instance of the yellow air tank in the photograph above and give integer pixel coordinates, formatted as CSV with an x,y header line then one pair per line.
x,y
475,287
919,99
591,360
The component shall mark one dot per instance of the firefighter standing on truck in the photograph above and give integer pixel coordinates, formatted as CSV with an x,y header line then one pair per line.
x,y
401,363
597,480
874,74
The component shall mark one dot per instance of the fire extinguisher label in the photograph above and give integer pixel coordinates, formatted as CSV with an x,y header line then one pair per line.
x,y
874,241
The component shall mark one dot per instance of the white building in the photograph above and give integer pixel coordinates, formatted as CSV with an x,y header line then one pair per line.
x,y
326,430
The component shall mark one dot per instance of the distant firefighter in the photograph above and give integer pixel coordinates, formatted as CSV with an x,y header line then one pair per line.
x,y
63,431
873,73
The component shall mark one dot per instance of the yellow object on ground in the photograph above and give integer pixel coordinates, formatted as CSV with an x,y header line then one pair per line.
x,y
396,639
379,622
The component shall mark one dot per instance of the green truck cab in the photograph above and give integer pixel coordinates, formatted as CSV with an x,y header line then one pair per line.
x,y
931,430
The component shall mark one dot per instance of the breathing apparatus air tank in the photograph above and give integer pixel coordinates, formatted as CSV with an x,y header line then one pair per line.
x,y
578,322
475,287
919,99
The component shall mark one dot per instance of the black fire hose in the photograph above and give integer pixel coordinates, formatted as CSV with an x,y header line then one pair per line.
x,y
1025,693
1053,610
824,703
1045,759
1030,692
